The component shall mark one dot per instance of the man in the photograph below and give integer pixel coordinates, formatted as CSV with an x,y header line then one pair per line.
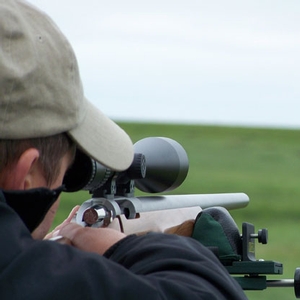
x,y
44,117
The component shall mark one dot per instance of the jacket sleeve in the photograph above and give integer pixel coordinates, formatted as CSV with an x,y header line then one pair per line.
x,y
153,266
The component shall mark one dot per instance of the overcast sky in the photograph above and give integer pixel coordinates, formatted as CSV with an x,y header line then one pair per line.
x,y
216,62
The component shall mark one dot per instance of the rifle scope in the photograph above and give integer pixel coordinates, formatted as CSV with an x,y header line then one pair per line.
x,y
160,164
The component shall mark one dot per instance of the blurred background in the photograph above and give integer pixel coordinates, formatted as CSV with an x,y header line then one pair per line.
x,y
221,78
216,62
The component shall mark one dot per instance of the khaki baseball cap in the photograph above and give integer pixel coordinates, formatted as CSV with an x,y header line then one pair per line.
x,y
41,92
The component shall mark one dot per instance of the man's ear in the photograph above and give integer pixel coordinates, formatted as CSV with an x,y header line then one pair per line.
x,y
22,175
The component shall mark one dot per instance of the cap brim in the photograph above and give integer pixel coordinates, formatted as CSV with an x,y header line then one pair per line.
x,y
103,140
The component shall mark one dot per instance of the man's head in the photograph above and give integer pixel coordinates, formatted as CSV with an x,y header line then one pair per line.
x,y
34,163
41,93
44,115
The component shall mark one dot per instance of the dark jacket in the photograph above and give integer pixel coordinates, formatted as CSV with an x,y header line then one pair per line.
x,y
153,266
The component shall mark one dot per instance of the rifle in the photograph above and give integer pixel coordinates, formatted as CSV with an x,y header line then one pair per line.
x,y
160,165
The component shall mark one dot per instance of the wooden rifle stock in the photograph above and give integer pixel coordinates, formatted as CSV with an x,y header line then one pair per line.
x,y
167,221
167,214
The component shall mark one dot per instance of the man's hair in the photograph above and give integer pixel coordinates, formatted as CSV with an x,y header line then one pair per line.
x,y
51,150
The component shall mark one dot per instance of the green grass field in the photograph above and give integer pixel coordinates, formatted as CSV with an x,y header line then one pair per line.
x,y
263,163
